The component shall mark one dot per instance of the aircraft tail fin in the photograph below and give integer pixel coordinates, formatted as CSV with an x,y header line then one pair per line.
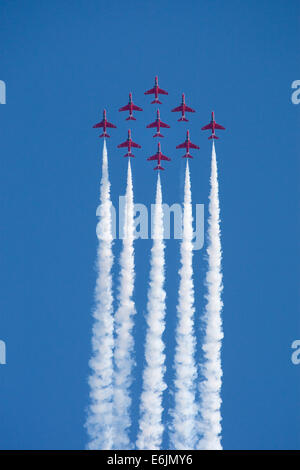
x,y
130,118
129,154
213,136
156,101
158,134
158,167
105,134
183,118
187,155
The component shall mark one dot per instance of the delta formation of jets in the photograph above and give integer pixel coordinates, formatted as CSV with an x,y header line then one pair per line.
x,y
158,124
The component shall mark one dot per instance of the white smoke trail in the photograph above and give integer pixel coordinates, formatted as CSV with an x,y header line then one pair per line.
x,y
151,427
100,417
184,434
210,388
124,323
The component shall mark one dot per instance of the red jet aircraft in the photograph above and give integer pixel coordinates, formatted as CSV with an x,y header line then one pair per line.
x,y
158,124
129,143
213,125
156,91
183,108
159,156
130,107
187,145
104,123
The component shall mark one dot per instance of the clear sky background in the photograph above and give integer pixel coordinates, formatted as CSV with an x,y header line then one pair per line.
x,y
62,63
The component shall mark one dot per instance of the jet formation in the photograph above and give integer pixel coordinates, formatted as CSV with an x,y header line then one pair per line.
x,y
129,144
158,124
130,107
156,91
104,124
159,157
213,126
183,108
187,144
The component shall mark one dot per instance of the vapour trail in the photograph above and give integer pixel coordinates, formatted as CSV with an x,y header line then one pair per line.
x,y
150,424
100,417
210,388
124,323
183,428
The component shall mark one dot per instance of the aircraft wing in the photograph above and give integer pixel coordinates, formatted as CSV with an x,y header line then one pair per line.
x,y
133,144
153,124
109,124
181,146
124,144
163,157
218,126
162,124
162,92
125,108
154,157
193,146
176,110
136,108
99,124
150,92
208,126
188,109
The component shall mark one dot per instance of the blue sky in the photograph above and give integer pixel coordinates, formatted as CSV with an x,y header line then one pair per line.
x,y
62,64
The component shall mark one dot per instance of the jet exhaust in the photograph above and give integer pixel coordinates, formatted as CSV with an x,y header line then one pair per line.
x,y
124,343
100,414
183,430
210,388
150,424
